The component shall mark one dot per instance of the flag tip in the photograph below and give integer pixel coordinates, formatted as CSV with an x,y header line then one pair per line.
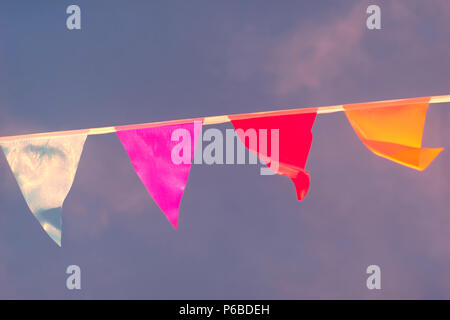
x,y
301,183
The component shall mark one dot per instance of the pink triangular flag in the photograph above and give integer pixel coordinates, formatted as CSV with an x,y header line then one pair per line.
x,y
162,157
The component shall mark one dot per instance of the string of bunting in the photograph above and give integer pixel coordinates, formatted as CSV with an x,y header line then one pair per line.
x,y
45,164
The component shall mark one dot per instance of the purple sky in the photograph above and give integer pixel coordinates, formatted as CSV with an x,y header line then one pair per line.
x,y
240,235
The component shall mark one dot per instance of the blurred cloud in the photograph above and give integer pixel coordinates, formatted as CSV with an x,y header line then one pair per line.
x,y
305,56
313,55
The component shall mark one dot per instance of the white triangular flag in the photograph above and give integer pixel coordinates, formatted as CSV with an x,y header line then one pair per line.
x,y
44,169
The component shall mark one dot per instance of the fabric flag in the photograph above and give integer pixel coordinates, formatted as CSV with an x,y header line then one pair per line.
x,y
393,130
162,158
295,138
44,169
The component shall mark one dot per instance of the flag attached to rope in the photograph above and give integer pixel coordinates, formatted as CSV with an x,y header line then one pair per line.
x,y
294,142
45,164
45,169
394,130
162,158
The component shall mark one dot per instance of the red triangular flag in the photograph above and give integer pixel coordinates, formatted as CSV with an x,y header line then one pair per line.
x,y
295,140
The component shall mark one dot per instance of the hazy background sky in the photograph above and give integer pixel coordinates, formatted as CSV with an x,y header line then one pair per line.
x,y
240,235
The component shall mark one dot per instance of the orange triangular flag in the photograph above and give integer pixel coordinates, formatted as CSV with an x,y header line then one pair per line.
x,y
394,130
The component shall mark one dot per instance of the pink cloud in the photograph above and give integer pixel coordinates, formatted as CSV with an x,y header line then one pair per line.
x,y
305,57
310,56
